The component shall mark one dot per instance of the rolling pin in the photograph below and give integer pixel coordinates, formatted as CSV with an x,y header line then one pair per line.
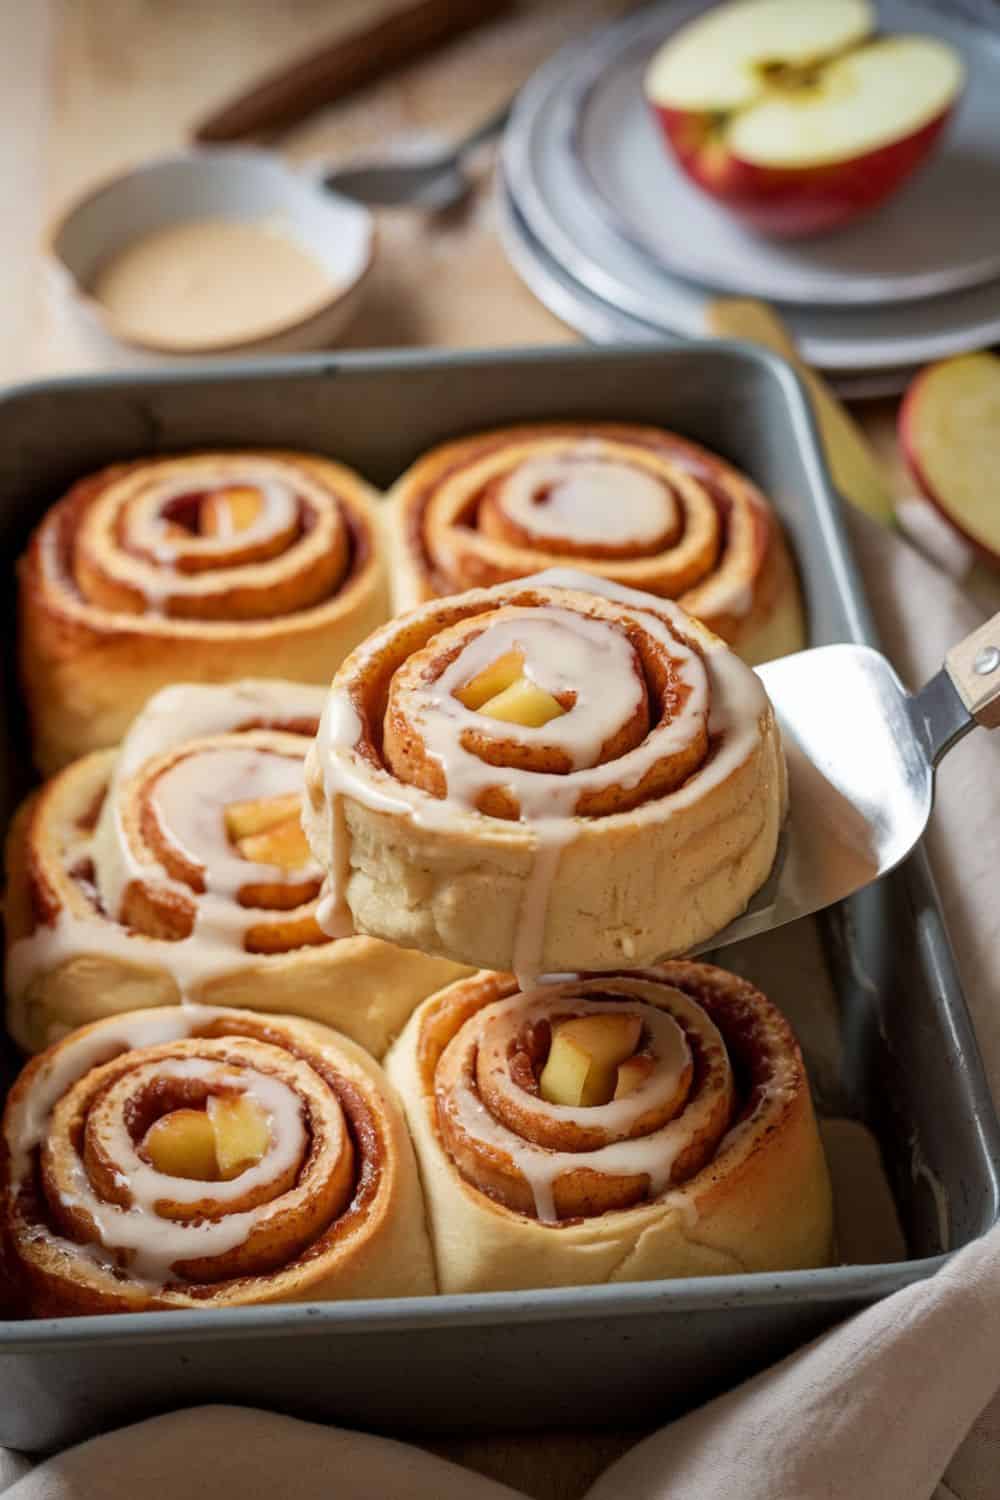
x,y
336,68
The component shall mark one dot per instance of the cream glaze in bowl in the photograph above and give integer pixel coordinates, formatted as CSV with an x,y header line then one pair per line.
x,y
241,185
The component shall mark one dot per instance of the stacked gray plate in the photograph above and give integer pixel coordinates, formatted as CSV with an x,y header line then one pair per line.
x,y
615,240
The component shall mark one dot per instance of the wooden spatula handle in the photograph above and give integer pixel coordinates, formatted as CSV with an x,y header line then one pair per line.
x,y
337,68
856,468
974,667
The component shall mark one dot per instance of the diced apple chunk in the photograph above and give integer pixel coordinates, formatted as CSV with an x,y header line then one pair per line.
x,y
632,1074
584,1058
244,819
609,1036
241,1130
523,703
228,511
284,845
182,1144
566,1072
502,691
492,680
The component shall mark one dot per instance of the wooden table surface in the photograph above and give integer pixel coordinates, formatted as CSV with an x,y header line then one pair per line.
x,y
88,87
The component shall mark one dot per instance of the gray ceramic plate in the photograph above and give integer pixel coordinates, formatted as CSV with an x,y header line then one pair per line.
x,y
938,234
602,323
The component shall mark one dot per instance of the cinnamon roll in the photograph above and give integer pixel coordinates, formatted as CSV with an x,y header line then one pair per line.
x,y
207,567
638,505
538,778
192,1157
177,867
620,1127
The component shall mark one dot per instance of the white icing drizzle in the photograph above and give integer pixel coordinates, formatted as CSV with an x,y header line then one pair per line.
x,y
148,1186
189,799
653,1155
612,501
588,499
563,653
154,1244
595,668
192,710
552,835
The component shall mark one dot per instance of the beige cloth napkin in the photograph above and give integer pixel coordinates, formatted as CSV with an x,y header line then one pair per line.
x,y
893,1405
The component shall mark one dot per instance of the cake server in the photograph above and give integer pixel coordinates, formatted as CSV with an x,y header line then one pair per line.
x,y
862,754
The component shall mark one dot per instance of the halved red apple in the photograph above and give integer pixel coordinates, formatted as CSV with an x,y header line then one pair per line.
x,y
949,430
794,114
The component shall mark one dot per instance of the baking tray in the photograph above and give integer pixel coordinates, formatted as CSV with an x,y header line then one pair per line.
x,y
904,1062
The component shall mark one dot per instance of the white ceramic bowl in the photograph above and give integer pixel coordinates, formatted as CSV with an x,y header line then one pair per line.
x,y
228,183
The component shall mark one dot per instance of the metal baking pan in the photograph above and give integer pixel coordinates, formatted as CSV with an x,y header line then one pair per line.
x,y
904,1058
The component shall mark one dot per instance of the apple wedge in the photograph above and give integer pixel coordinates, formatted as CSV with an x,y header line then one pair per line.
x,y
524,702
222,1140
949,430
241,1130
492,680
182,1144
794,115
583,1062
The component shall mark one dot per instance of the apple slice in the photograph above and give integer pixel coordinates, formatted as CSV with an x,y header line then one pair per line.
x,y
524,702
582,1065
283,845
243,819
949,430
241,1132
632,1074
791,114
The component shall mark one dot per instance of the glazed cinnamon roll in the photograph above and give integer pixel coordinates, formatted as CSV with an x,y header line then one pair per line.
x,y
207,1158
620,1127
208,567
177,867
536,778
638,505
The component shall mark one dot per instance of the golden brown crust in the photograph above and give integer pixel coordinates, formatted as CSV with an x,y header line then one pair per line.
x,y
344,1219
748,1192
451,531
116,600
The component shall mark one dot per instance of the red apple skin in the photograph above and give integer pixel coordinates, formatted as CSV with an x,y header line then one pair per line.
x,y
793,202
906,429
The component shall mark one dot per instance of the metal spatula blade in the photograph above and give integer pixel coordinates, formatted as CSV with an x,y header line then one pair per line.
x,y
861,757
